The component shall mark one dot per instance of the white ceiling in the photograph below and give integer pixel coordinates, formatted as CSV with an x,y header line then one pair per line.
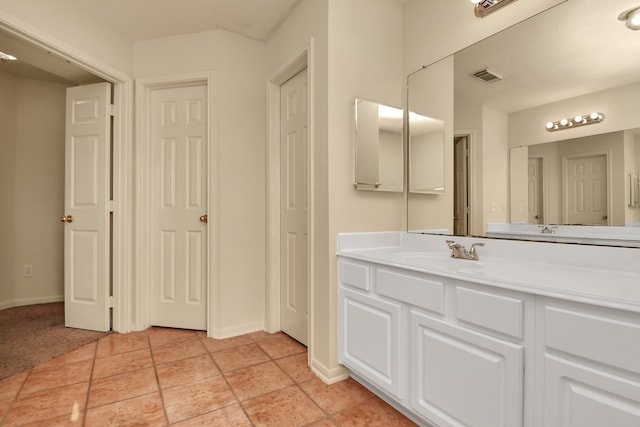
x,y
148,19
145,19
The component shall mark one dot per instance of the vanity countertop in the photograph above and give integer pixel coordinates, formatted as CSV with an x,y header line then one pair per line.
x,y
605,276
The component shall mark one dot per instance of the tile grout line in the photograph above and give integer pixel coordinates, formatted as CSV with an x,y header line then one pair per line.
x,y
86,400
15,398
155,372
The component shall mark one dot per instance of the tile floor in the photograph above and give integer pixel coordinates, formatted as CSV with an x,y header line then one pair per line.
x,y
162,377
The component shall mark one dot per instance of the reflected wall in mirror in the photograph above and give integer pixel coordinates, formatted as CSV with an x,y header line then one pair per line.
x,y
430,126
572,59
378,146
426,152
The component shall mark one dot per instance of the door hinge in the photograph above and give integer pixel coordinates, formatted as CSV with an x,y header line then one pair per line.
x,y
112,109
110,205
111,301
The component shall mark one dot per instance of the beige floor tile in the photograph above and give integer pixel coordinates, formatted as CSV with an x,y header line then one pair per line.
x,y
230,416
122,362
240,357
336,397
48,404
280,345
56,376
214,345
372,413
9,386
122,386
186,371
257,380
297,367
162,337
144,410
288,407
182,349
195,399
86,352
122,343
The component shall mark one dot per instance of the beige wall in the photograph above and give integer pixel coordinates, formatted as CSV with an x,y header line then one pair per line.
x,y
7,187
237,187
33,154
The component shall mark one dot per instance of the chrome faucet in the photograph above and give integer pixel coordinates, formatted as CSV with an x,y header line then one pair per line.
x,y
547,230
459,251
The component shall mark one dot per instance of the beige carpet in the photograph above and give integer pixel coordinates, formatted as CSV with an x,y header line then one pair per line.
x,y
32,334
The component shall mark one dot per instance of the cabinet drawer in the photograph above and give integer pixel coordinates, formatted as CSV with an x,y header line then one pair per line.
x,y
355,275
598,335
499,313
418,291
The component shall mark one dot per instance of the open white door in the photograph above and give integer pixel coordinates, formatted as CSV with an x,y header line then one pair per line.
x,y
294,216
86,234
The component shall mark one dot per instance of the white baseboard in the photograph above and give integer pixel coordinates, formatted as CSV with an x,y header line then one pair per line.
x,y
29,301
234,331
329,376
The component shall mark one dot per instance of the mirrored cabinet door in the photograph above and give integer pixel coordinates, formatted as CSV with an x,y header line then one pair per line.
x,y
378,146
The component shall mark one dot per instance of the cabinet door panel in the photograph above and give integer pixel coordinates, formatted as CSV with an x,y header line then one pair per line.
x,y
370,339
463,378
579,396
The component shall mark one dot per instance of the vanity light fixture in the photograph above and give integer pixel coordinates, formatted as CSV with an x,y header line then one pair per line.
x,y
631,18
577,121
7,57
484,7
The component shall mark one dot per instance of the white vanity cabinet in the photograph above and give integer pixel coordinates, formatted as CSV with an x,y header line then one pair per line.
x,y
446,352
370,336
541,335
589,359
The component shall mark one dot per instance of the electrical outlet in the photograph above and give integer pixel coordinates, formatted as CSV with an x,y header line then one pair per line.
x,y
28,271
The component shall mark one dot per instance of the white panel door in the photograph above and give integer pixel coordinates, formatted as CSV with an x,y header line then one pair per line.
x,y
179,207
586,188
294,209
462,378
86,234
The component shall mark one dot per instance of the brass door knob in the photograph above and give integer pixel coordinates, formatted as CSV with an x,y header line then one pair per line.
x,y
66,218
204,218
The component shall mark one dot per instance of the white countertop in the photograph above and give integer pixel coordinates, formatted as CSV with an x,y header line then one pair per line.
x,y
605,276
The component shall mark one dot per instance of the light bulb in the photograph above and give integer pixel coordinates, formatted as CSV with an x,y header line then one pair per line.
x,y
579,119
475,1
594,116
564,122
550,125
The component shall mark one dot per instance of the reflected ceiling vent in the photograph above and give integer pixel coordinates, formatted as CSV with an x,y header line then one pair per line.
x,y
488,75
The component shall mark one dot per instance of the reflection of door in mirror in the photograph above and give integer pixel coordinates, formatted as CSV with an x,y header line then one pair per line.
x,y
461,186
586,189
534,173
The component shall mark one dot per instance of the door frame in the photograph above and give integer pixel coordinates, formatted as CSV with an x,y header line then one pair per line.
x,y
475,225
122,164
543,183
142,287
304,59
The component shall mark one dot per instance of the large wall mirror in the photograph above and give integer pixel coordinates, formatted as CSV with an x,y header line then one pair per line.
x,y
502,163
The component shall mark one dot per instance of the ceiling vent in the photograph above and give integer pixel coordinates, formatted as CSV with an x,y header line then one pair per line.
x,y
488,75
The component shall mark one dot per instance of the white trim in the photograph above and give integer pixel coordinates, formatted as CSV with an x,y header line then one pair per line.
x,y
304,59
143,194
122,163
